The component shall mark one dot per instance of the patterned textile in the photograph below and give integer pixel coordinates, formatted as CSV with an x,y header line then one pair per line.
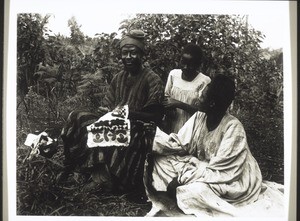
x,y
184,91
228,177
112,129
125,164
41,144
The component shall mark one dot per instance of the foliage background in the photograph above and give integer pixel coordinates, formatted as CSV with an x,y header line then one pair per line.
x,y
57,74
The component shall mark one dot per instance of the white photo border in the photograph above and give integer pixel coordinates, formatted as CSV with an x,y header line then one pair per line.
x,y
285,9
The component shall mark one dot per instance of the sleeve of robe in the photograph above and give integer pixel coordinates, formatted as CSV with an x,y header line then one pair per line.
x,y
109,100
165,144
156,90
228,163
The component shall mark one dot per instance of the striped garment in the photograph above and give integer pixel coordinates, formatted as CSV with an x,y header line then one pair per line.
x,y
138,92
142,93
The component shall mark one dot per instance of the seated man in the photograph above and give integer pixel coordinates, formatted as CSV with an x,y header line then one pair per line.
x,y
207,166
139,88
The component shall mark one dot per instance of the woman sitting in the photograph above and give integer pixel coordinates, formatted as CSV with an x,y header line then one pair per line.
x,y
207,167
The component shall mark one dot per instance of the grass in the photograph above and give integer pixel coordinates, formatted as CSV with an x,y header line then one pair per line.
x,y
38,192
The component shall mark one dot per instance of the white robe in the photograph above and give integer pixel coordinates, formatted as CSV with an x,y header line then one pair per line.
x,y
230,176
185,91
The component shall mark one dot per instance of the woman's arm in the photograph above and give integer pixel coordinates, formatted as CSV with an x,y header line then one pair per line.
x,y
171,103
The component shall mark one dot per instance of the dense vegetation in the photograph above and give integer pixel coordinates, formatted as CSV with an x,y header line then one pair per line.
x,y
57,74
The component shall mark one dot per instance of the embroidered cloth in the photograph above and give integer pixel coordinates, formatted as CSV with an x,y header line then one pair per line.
x,y
112,129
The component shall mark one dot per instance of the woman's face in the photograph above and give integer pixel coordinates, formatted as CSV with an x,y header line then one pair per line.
x,y
188,67
204,100
131,58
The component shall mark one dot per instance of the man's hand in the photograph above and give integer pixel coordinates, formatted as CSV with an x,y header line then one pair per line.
x,y
103,109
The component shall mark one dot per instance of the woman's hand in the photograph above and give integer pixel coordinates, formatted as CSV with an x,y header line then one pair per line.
x,y
170,103
194,161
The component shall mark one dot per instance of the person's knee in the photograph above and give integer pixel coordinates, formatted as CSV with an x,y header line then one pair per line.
x,y
197,188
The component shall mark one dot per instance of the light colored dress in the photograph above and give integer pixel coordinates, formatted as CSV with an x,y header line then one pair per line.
x,y
184,91
230,176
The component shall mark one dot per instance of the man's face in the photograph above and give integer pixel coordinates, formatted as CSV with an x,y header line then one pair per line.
x,y
131,57
189,67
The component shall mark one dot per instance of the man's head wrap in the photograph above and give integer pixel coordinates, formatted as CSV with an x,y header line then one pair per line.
x,y
134,37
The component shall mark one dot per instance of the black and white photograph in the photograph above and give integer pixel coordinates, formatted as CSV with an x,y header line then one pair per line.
x,y
141,110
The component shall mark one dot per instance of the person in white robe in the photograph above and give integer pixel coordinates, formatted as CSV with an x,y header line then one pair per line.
x,y
207,167
183,88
